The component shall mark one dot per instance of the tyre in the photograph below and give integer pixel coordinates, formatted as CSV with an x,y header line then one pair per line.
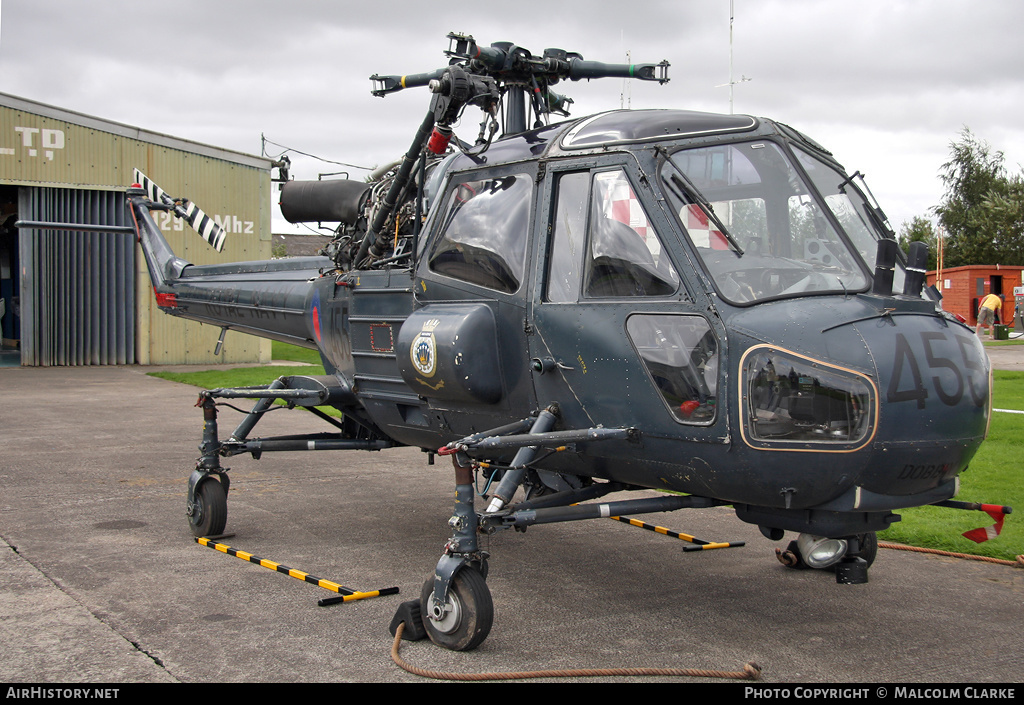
x,y
470,612
868,547
210,510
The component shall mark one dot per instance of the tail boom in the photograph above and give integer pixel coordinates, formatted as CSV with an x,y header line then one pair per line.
x,y
264,298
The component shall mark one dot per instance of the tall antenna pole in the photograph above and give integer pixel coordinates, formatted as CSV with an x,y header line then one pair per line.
x,y
731,82
743,79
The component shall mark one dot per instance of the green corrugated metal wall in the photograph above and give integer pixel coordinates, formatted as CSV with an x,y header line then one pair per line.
x,y
79,166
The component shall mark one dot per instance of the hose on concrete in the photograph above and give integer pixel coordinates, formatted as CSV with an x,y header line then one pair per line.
x,y
751,671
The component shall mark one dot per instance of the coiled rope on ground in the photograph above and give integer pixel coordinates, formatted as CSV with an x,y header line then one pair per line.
x,y
751,671
1018,562
788,558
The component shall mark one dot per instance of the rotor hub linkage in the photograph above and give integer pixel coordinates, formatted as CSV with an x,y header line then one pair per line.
x,y
484,76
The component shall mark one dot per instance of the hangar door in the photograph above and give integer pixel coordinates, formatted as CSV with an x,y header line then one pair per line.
x,y
77,288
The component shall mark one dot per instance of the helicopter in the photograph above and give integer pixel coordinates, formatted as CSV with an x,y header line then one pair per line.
x,y
703,304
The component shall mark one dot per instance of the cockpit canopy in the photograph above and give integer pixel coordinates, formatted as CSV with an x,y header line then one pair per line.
x,y
757,225
767,211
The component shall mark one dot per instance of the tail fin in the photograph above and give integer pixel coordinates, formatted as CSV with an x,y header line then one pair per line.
x,y
200,222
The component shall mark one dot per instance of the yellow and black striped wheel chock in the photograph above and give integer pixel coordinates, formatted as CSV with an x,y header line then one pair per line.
x,y
699,544
345,594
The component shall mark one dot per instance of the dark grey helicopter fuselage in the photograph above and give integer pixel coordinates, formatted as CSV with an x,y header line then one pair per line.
x,y
799,395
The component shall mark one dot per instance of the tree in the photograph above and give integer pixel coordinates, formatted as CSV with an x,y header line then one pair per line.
x,y
983,208
920,229
1003,218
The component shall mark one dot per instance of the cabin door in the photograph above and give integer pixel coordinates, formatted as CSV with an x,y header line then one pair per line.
x,y
617,340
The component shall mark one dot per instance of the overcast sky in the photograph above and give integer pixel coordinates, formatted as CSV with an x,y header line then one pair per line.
x,y
884,85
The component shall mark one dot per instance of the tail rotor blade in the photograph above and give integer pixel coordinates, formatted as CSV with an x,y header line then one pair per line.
x,y
154,191
203,224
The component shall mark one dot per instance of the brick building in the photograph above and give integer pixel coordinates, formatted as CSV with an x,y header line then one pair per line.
x,y
963,288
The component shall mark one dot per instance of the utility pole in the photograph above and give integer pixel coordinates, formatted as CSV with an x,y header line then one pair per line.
x,y
743,79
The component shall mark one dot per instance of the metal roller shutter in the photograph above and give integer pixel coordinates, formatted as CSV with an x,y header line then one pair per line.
x,y
77,288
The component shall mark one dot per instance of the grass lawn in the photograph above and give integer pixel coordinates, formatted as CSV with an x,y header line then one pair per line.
x,y
1001,343
994,477
251,376
293,353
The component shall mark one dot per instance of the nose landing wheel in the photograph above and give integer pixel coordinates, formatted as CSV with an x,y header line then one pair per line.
x,y
465,619
209,512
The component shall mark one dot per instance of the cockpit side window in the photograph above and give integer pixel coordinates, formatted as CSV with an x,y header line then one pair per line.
x,y
484,232
624,255
568,238
602,241
849,206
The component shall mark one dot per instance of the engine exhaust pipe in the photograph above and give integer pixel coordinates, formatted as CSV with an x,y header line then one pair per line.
x,y
885,264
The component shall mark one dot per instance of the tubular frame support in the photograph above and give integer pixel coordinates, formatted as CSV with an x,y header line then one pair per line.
x,y
527,440
524,456
564,499
270,393
270,445
470,441
239,441
247,424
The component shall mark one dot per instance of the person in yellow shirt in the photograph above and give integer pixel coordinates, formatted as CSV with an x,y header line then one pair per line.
x,y
987,313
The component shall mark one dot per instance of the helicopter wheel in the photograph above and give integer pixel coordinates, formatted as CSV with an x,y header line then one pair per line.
x,y
868,551
469,615
210,510
868,547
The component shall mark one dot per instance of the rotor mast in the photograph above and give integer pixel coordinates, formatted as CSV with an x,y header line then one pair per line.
x,y
523,80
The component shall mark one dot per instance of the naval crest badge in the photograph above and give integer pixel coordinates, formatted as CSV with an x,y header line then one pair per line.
x,y
423,351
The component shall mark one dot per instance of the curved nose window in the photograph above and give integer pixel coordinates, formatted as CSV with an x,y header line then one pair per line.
x,y
770,237
790,399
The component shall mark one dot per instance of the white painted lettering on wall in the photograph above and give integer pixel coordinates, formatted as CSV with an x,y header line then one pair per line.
x,y
234,224
33,140
230,223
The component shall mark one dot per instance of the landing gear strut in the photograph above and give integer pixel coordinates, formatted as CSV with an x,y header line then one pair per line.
x,y
209,484
455,602
207,503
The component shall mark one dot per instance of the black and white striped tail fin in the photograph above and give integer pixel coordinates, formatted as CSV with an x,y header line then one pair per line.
x,y
203,224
